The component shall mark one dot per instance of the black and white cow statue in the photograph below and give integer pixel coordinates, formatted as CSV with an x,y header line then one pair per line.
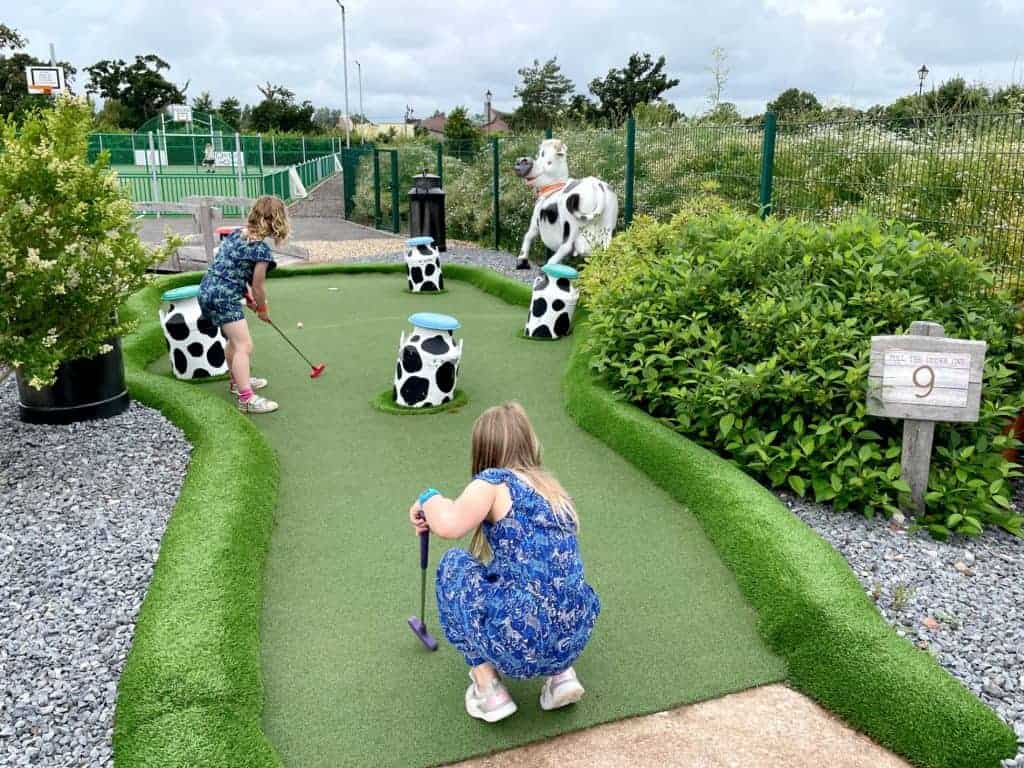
x,y
553,302
423,265
572,216
428,362
195,345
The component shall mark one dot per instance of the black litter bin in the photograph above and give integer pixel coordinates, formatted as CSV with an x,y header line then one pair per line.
x,y
426,209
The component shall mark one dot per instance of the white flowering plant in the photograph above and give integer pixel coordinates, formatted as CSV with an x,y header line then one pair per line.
x,y
69,251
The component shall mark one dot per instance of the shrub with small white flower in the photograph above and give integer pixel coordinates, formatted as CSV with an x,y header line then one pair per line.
x,y
69,252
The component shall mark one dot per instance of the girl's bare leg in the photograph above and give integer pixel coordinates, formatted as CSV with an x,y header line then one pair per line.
x,y
238,352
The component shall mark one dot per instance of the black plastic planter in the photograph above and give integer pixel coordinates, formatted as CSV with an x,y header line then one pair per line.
x,y
85,389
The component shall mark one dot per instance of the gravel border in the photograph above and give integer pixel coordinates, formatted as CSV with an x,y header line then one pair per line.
x,y
82,511
962,601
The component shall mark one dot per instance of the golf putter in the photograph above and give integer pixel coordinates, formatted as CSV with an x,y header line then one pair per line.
x,y
416,623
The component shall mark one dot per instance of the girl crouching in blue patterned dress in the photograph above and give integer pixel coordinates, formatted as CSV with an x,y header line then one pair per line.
x,y
516,604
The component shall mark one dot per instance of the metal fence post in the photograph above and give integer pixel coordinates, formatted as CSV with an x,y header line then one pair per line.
x,y
376,189
395,220
303,149
440,162
630,167
497,208
260,143
273,150
767,165
154,185
238,164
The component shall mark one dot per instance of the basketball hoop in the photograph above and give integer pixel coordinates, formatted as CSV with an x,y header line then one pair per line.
x,y
45,90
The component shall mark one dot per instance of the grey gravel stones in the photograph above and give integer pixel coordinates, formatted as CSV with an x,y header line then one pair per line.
x,y
961,601
501,262
82,511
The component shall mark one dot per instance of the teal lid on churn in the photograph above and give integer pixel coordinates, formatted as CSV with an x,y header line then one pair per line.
x,y
560,270
180,294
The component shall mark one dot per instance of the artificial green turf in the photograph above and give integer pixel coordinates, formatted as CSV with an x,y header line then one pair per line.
x,y
347,683
385,402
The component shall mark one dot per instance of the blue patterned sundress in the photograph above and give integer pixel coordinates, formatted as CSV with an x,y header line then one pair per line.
x,y
529,611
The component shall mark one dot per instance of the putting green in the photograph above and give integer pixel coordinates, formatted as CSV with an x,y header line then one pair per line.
x,y
347,683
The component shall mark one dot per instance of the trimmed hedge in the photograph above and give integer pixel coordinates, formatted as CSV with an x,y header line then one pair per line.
x,y
811,609
191,692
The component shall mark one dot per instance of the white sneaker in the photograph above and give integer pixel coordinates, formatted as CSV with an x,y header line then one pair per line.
x,y
561,690
491,704
254,384
257,404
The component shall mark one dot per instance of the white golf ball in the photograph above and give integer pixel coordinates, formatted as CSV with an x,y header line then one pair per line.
x,y
332,288
298,325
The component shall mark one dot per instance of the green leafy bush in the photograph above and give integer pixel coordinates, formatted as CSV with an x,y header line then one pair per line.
x,y
69,252
753,338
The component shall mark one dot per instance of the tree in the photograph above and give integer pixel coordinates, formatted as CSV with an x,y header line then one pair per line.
x,y
230,112
544,93
140,87
719,77
1009,98
725,112
203,102
459,128
582,111
279,112
793,103
658,113
642,81
14,96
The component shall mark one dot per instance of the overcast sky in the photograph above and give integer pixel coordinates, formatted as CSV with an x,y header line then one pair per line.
x,y
431,54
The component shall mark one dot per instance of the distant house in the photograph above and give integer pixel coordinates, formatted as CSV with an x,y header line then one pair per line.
x,y
494,121
434,125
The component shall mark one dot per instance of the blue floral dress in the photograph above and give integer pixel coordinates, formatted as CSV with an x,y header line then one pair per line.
x,y
223,286
529,611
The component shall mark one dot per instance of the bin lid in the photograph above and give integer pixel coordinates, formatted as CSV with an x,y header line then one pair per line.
x,y
412,242
560,270
180,294
434,322
426,181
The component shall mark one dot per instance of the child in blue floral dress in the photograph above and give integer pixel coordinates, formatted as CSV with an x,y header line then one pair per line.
x,y
517,603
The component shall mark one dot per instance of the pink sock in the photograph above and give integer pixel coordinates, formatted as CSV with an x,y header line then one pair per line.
x,y
245,395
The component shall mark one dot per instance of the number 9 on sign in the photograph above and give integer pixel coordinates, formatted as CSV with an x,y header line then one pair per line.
x,y
924,378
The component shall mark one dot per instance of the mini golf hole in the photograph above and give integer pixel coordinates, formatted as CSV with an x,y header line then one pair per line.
x,y
385,402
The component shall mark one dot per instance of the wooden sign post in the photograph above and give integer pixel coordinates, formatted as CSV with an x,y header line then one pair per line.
x,y
923,378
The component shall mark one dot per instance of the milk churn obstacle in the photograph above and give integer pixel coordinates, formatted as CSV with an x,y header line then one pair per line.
x,y
428,362
195,345
553,302
423,265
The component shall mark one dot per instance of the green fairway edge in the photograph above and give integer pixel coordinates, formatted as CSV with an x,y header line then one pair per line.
x,y
811,609
191,691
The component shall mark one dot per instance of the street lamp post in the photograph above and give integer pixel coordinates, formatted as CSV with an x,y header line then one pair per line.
x,y
362,114
344,66
922,73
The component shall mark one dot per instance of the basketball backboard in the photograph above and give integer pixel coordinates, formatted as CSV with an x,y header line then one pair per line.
x,y
45,79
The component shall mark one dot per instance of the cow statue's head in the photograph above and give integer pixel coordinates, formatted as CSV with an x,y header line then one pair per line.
x,y
549,167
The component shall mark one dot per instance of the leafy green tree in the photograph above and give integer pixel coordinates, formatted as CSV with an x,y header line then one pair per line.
x,y
140,87
658,113
458,128
544,93
279,112
641,81
724,113
245,120
203,102
14,96
582,111
793,103
230,112
1009,98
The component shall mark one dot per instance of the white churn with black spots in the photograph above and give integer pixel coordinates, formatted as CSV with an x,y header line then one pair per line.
x,y
195,345
428,361
423,265
553,302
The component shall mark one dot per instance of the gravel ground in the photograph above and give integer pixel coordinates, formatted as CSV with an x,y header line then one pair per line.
x,y
962,601
465,253
82,511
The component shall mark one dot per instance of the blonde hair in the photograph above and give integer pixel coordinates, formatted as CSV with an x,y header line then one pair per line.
x,y
503,438
268,218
